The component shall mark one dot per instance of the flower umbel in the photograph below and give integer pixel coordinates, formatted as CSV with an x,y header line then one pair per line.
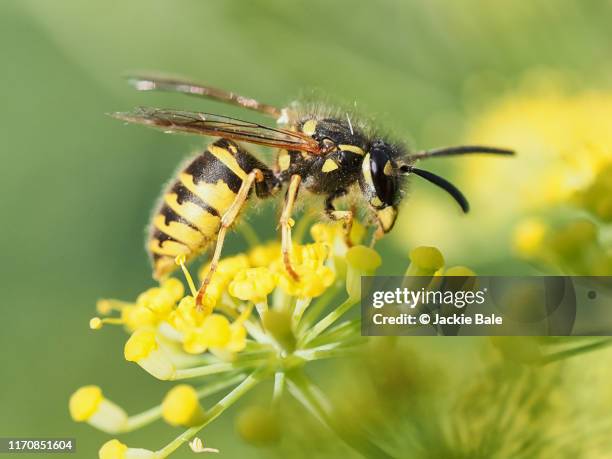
x,y
259,325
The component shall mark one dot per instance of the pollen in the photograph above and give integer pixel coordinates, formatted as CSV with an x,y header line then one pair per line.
x,y
181,407
95,323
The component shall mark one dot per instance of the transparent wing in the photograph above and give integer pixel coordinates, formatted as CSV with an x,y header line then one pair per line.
x,y
219,126
153,82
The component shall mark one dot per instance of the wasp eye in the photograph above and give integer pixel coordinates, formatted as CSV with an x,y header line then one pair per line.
x,y
382,169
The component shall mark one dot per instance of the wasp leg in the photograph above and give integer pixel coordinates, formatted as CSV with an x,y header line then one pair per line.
x,y
286,223
346,216
226,221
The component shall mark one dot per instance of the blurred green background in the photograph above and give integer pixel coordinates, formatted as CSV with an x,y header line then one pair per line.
x,y
77,186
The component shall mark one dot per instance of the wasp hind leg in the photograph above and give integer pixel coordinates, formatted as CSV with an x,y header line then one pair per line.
x,y
286,222
229,217
346,216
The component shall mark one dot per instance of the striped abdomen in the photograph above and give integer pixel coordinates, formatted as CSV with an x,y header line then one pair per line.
x,y
188,216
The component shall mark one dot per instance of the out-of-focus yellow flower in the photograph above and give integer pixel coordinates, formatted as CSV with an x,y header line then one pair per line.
x,y
181,407
114,449
529,237
88,404
562,142
253,284
597,198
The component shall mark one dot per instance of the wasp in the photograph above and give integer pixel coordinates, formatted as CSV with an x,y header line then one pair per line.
x,y
319,151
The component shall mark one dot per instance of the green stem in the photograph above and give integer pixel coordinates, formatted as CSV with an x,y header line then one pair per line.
x,y
315,310
556,356
326,352
212,414
153,414
346,330
300,307
216,368
327,321
314,401
279,387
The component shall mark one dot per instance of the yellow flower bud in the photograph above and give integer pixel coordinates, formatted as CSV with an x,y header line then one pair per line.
x,y
216,329
361,261
425,261
157,299
174,287
88,404
84,402
181,407
142,347
237,341
253,284
95,323
137,316
114,449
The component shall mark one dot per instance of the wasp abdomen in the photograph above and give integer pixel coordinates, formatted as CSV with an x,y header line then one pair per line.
x,y
188,216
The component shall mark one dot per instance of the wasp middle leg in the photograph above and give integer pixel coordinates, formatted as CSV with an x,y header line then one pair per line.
x,y
286,223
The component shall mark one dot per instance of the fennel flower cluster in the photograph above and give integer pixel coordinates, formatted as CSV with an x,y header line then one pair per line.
x,y
560,184
258,324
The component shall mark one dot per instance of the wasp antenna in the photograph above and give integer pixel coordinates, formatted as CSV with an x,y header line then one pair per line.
x,y
442,183
462,150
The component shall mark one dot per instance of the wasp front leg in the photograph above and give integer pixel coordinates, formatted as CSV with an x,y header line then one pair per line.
x,y
346,216
228,218
286,222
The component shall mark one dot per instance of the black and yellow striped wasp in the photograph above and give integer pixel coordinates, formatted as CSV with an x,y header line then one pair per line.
x,y
320,150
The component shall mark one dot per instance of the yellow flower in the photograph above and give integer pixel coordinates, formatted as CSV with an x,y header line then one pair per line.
x,y
424,261
181,407
213,331
264,255
227,267
362,261
158,300
88,404
114,449
529,237
142,347
253,284
238,336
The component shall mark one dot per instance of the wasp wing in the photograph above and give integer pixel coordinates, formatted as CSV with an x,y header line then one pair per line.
x,y
152,82
172,121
